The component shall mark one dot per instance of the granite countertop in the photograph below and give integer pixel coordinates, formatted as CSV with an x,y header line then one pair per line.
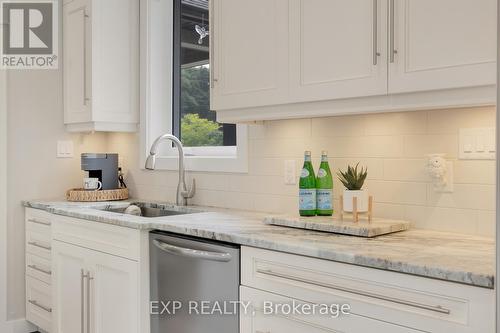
x,y
441,255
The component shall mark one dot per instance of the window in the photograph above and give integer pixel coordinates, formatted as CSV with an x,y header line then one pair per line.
x,y
175,90
193,122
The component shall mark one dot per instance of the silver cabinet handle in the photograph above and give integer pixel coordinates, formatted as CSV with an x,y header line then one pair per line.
x,y
36,268
191,253
376,54
38,305
89,312
40,246
39,222
83,276
392,50
85,18
435,308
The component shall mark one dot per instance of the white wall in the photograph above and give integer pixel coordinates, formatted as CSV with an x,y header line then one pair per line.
x,y
392,145
35,123
3,203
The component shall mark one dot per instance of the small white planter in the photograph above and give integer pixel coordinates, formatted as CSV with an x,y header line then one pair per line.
x,y
361,195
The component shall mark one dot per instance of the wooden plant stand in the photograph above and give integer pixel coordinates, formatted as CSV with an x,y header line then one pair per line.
x,y
355,214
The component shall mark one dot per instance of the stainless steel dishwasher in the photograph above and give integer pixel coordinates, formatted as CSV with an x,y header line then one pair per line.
x,y
187,271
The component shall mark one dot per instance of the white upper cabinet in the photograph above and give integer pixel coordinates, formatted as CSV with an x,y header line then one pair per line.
x,y
337,49
249,47
77,62
442,44
101,65
347,57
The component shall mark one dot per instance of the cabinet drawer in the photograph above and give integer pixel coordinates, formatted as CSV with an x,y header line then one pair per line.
x,y
38,221
281,320
38,304
38,268
421,303
38,243
111,239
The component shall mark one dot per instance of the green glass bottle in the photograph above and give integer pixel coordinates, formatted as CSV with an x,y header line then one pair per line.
x,y
307,188
324,188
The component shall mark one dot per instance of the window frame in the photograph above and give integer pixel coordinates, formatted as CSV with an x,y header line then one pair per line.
x,y
157,37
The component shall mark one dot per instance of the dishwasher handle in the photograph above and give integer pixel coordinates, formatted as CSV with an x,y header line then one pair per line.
x,y
191,253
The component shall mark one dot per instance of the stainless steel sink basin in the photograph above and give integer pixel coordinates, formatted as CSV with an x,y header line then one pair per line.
x,y
150,212
146,211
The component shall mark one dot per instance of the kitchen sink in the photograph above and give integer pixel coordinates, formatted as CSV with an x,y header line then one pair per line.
x,y
150,212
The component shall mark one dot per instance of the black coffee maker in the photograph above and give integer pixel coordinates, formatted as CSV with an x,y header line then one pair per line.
x,y
102,166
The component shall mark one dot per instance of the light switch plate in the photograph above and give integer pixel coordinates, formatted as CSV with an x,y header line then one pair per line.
x,y
477,143
290,172
65,149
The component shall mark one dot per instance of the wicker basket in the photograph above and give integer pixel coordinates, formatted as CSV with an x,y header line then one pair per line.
x,y
82,195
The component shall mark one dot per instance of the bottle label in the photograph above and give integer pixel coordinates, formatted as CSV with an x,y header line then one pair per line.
x,y
304,173
322,173
307,199
324,198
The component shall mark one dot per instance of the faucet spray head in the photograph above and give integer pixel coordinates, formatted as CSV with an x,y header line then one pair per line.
x,y
151,162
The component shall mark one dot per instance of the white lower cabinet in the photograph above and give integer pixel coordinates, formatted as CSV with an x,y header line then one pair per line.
x,y
379,301
89,277
38,248
94,292
100,277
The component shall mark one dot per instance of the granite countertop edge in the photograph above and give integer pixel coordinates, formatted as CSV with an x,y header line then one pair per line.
x,y
255,233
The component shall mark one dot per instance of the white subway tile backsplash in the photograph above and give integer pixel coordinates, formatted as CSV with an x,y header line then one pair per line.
x,y
209,198
450,121
474,172
375,166
291,147
238,200
210,181
338,126
418,146
406,170
445,219
398,192
390,211
393,146
486,223
294,128
266,166
472,196
276,204
400,123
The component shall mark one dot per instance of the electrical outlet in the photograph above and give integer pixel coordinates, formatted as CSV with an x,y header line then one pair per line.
x,y
290,172
65,149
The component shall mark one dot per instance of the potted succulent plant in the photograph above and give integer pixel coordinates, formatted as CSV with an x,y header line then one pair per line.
x,y
353,181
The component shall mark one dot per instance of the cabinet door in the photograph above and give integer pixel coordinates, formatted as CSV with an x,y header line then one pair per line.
x,y
114,290
68,267
337,49
77,61
258,320
442,44
115,61
249,53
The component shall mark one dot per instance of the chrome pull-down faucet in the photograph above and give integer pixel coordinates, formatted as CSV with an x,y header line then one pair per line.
x,y
183,193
